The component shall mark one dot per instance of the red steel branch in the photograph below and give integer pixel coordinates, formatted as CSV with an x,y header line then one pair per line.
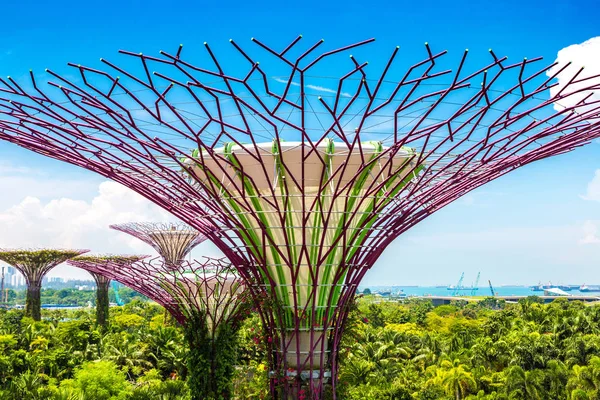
x,y
173,240
149,122
190,288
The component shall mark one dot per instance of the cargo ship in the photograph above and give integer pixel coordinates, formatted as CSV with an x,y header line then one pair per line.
x,y
585,288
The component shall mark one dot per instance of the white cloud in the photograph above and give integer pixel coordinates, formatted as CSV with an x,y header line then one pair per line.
x,y
7,168
593,188
281,80
590,233
70,223
313,87
19,181
585,55
65,222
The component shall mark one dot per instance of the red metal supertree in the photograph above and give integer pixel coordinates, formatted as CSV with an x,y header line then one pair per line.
x,y
34,265
172,240
103,281
308,166
207,298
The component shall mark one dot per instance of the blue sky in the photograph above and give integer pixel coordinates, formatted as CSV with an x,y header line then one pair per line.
x,y
526,227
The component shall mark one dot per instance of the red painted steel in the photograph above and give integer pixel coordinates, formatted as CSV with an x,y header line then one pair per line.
x,y
139,123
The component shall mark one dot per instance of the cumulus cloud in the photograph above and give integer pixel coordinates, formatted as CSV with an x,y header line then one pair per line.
x,y
593,188
72,223
66,222
590,233
579,55
19,181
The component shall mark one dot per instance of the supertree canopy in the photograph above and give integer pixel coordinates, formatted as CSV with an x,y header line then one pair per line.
x,y
173,241
34,265
308,162
102,281
207,298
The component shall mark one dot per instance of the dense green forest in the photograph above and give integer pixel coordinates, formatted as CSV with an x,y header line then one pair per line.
x,y
71,296
486,350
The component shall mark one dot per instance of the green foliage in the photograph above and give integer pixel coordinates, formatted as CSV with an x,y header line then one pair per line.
x,y
37,257
102,304
63,297
483,350
99,380
391,350
211,360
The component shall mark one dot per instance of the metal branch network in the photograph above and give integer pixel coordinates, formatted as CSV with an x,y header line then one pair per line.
x,y
173,241
210,286
303,164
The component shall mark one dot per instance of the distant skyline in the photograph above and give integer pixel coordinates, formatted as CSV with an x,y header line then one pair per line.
x,y
540,223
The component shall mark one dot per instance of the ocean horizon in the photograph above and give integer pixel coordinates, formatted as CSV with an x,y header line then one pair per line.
x,y
516,290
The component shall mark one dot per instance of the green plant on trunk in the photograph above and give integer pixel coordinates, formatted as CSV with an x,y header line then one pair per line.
x,y
102,300
34,265
211,361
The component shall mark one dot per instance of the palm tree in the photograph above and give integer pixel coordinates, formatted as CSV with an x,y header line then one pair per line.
x,y
356,372
581,378
556,376
523,384
127,355
580,349
456,380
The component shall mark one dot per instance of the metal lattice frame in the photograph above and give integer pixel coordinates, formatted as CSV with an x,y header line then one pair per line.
x,y
210,286
102,281
34,265
119,261
309,173
172,240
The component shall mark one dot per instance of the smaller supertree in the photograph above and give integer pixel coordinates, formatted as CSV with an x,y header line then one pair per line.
x,y
207,298
102,281
173,241
34,265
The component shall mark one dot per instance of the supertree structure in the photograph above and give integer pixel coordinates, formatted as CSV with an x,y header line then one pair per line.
x,y
207,298
102,281
34,265
308,162
172,240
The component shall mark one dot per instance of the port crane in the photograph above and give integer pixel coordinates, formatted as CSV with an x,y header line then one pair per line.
x,y
491,288
474,287
459,286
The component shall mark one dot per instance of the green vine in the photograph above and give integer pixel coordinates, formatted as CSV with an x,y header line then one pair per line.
x,y
211,362
102,305
33,301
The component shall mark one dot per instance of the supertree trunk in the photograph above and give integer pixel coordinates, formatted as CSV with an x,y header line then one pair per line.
x,y
102,303
210,361
34,265
207,298
102,281
33,302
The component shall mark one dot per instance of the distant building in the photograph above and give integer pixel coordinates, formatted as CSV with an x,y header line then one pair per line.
x,y
555,292
16,280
